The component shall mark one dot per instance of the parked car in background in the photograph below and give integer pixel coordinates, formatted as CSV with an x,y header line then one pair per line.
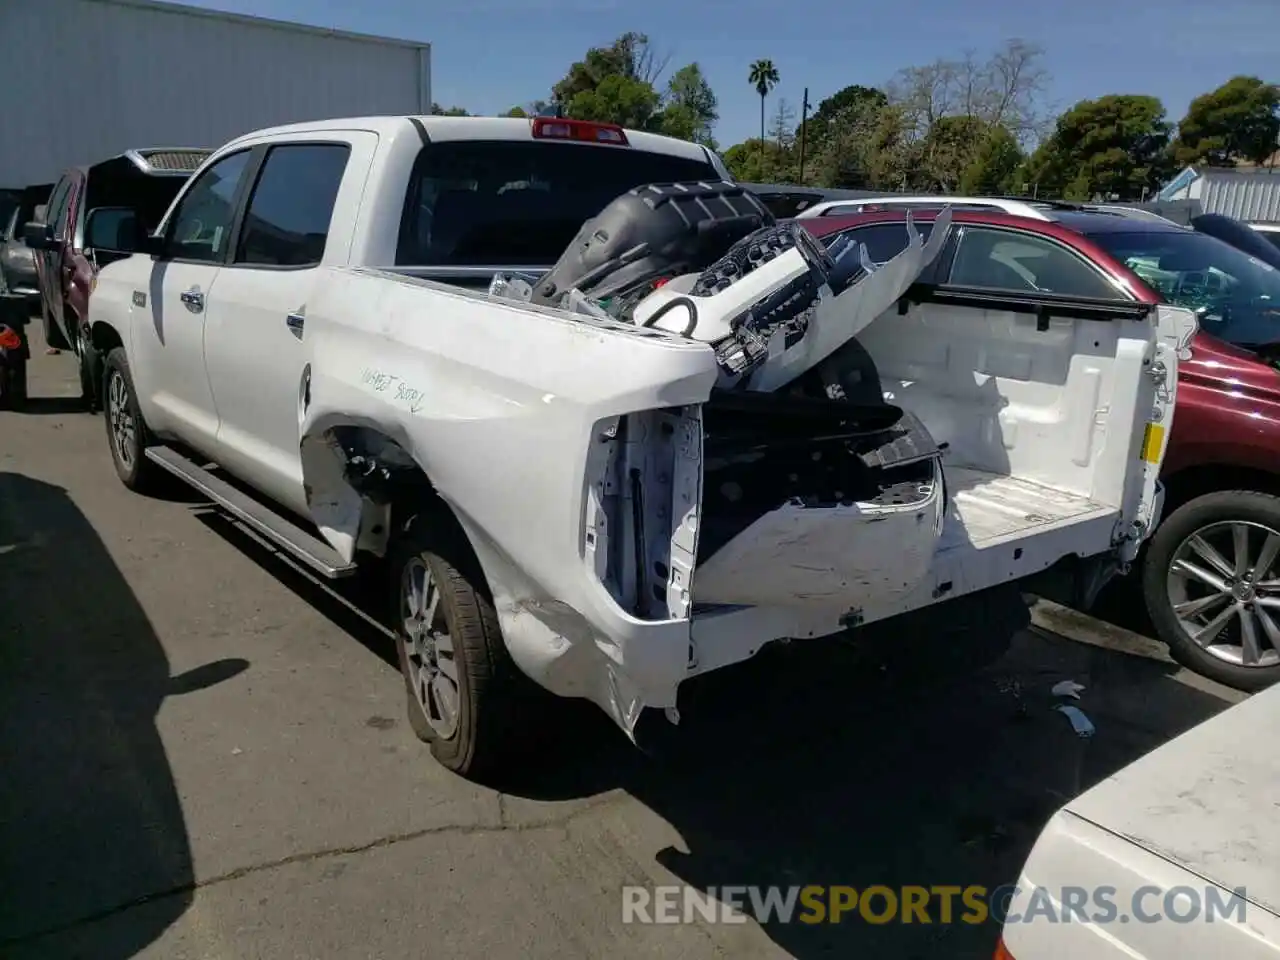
x,y
17,260
1239,235
138,183
1209,574
1271,231
1171,858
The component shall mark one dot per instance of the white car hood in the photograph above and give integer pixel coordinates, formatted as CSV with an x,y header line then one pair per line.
x,y
1208,801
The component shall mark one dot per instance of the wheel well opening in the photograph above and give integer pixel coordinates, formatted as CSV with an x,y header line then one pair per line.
x,y
1186,485
105,338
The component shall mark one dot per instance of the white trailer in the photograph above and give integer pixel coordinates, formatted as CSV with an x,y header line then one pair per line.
x,y
89,79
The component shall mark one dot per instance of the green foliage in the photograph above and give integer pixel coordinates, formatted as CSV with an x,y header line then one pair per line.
x,y
961,125
861,147
690,108
1117,144
616,99
630,57
439,111
994,165
616,84
854,97
1238,121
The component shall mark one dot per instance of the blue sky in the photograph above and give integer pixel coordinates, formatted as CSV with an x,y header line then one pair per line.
x,y
491,54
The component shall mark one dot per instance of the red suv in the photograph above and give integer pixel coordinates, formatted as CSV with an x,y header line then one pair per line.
x,y
145,181
1210,573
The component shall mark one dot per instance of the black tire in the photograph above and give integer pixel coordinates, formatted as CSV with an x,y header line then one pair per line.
x,y
494,699
1222,507
132,466
52,335
13,384
89,362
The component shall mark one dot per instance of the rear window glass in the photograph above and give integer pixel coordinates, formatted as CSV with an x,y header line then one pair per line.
x,y
512,203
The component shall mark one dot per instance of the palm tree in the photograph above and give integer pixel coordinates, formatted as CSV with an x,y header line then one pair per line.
x,y
764,77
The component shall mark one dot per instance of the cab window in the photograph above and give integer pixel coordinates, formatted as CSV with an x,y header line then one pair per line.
x,y
200,228
1009,260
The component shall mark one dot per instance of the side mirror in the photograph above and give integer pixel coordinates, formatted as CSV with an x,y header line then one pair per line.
x,y
38,235
113,229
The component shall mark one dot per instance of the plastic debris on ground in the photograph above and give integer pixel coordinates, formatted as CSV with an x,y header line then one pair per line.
x,y
1081,724
1067,688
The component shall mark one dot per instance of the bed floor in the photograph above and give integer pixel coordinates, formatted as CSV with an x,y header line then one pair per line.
x,y
987,509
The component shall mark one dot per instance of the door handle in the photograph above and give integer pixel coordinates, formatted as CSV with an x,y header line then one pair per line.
x,y
295,322
192,298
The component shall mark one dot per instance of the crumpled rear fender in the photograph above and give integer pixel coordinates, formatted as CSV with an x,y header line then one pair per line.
x,y
499,405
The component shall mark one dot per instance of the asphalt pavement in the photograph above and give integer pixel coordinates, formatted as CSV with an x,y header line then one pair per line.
x,y
204,755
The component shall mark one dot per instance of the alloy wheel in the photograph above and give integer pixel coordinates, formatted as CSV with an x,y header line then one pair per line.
x,y
433,666
1223,584
123,427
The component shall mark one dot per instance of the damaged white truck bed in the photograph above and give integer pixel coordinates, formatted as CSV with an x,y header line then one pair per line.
x,y
631,468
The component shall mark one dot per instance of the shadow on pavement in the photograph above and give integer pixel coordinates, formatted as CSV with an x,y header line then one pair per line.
x,y
90,820
817,764
37,406
848,763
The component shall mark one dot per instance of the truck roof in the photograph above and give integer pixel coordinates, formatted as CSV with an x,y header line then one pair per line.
x,y
476,128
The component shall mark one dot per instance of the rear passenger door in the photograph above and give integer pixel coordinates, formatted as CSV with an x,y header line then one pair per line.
x,y
257,322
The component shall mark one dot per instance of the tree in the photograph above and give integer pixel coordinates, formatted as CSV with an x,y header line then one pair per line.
x,y
753,161
764,77
854,96
1004,90
864,147
690,108
516,112
782,128
949,106
1238,121
1115,144
618,99
439,111
630,56
994,166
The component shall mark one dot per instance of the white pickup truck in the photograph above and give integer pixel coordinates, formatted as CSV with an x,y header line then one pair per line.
x,y
344,333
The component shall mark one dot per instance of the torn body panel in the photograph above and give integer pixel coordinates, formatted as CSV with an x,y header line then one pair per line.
x,y
510,425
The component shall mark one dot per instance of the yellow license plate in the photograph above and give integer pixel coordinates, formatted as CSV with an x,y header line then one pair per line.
x,y
1153,443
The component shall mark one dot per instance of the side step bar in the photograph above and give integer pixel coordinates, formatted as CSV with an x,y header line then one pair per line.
x,y
265,522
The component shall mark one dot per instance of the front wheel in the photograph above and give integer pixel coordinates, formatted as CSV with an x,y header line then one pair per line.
x,y
1211,580
13,383
464,692
127,433
89,362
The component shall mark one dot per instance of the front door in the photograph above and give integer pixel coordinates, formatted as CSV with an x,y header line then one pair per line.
x,y
253,340
177,292
48,269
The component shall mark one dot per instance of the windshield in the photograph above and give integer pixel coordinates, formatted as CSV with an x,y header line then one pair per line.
x,y
1236,296
515,203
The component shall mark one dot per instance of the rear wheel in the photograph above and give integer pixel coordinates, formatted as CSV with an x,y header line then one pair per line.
x,y
465,695
1211,580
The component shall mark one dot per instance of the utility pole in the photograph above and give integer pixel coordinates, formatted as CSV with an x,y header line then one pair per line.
x,y
804,115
